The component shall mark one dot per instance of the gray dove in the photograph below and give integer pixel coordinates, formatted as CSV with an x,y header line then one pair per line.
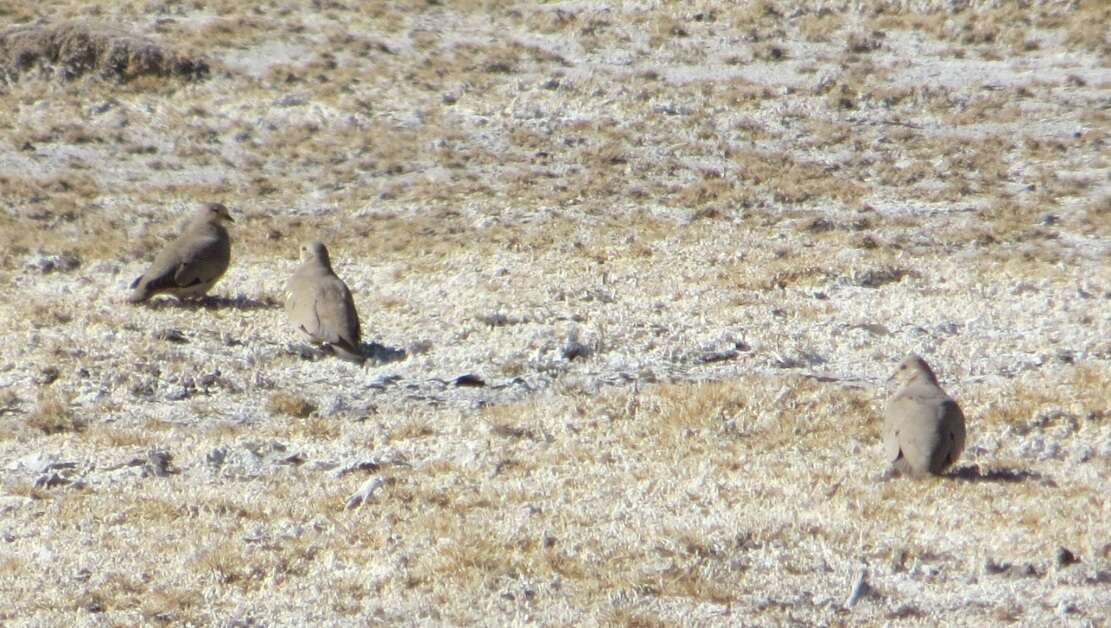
x,y
923,428
319,304
193,262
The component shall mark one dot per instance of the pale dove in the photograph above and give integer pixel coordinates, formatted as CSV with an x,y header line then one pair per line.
x,y
193,262
319,304
923,428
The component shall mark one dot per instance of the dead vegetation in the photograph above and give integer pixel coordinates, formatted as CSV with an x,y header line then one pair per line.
x,y
290,404
73,49
53,415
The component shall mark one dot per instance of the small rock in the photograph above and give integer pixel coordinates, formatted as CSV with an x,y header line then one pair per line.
x,y
336,406
208,379
262,451
216,457
291,100
875,329
867,243
90,604
46,264
51,479
877,278
469,380
294,459
170,334
496,319
573,348
1066,608
819,225
1027,570
159,463
367,464
718,356
47,375
805,358
1065,558
103,106
178,393
37,464
726,347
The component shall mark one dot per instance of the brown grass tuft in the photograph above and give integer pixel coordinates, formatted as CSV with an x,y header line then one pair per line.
x,y
634,619
289,404
52,415
79,48
169,605
316,428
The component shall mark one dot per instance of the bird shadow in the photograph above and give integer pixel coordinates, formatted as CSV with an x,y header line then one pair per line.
x,y
372,351
382,354
239,302
1004,475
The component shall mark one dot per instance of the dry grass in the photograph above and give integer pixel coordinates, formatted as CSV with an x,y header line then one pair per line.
x,y
53,415
112,436
313,427
289,404
1033,406
576,512
77,48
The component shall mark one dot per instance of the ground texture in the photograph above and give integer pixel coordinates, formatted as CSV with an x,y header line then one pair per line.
x,y
632,278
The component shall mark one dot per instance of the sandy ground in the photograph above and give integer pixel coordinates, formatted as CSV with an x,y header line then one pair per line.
x,y
632,279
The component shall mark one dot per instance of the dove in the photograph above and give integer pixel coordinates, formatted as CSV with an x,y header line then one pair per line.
x,y
320,306
193,262
923,428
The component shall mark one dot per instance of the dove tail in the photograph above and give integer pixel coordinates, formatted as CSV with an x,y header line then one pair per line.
x,y
345,351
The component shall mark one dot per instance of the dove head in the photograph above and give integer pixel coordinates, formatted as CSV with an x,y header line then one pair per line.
x,y
912,368
316,250
214,213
